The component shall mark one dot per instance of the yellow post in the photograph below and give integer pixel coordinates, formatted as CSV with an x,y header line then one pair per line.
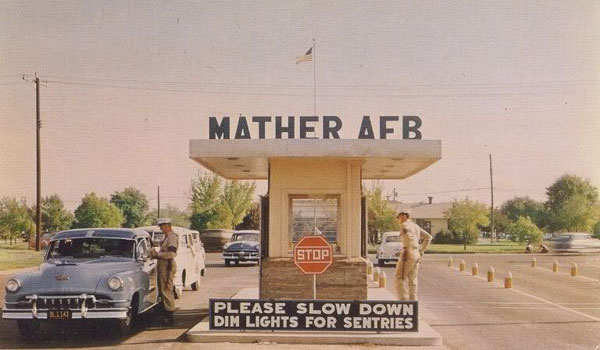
x,y
475,269
533,262
555,266
450,262
382,279
376,273
490,274
369,268
461,266
574,270
508,280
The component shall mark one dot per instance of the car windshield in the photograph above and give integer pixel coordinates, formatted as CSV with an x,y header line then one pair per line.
x,y
244,237
90,248
394,238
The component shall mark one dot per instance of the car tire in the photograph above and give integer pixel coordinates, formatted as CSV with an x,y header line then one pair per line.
x,y
381,262
28,329
237,263
196,285
126,326
177,292
227,263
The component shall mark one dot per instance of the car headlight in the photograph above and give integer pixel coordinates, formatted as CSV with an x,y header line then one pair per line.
x,y
13,285
115,283
226,246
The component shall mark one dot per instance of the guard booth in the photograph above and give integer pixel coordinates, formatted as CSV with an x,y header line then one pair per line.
x,y
314,183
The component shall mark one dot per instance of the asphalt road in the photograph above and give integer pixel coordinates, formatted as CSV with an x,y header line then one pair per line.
x,y
544,310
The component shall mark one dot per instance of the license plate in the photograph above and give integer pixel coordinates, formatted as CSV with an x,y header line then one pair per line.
x,y
59,314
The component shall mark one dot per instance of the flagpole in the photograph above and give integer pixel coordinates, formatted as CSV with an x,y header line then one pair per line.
x,y
314,79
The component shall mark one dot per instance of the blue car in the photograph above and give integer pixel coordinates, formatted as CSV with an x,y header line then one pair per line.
x,y
101,274
243,246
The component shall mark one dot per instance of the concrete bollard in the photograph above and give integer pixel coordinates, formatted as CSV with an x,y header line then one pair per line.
x,y
574,270
369,268
555,266
490,274
461,266
508,280
450,262
534,262
475,269
376,273
382,279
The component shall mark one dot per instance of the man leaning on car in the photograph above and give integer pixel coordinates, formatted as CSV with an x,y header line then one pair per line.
x,y
166,269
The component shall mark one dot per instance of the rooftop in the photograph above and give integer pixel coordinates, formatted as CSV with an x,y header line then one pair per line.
x,y
242,159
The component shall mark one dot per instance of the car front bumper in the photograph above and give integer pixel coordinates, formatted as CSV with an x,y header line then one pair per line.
x,y
387,257
241,256
42,314
29,309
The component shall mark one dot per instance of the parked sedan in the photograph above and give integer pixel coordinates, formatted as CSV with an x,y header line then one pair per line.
x,y
576,242
86,274
390,248
243,246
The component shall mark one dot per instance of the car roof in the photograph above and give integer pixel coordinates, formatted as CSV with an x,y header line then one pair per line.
x,y
156,229
126,233
247,231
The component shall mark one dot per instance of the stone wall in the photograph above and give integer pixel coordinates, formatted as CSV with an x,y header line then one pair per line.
x,y
345,279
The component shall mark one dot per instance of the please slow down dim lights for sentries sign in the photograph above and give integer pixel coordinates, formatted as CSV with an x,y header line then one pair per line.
x,y
311,127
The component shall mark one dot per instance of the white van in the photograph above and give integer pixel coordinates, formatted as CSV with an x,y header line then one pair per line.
x,y
190,257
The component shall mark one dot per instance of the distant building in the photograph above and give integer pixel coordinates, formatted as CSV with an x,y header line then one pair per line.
x,y
430,216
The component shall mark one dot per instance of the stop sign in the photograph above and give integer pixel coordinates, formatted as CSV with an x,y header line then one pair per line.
x,y
313,255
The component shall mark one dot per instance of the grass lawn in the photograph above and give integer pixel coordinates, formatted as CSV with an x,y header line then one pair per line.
x,y
500,247
17,256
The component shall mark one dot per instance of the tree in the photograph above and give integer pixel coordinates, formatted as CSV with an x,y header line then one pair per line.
x,y
596,231
526,207
97,212
177,216
525,230
133,204
235,203
572,204
206,192
466,217
501,222
54,215
252,219
14,219
381,216
219,205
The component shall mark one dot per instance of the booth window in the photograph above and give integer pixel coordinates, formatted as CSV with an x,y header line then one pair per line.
x,y
310,212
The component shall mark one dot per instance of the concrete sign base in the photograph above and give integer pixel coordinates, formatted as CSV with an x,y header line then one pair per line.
x,y
426,336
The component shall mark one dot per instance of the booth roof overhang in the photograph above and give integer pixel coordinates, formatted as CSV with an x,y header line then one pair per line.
x,y
248,159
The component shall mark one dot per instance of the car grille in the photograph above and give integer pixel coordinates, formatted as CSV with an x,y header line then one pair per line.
x,y
61,302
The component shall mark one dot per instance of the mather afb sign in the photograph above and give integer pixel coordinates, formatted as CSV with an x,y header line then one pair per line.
x,y
312,127
313,255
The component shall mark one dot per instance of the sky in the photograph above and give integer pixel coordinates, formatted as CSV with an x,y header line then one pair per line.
x,y
128,84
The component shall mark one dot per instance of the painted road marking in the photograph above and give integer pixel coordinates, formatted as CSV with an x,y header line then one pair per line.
x,y
544,301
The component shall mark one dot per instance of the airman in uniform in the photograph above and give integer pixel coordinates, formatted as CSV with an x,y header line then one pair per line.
x,y
166,269
407,268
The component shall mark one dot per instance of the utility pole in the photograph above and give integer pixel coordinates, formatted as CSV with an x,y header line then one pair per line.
x,y
493,229
158,197
38,162
38,124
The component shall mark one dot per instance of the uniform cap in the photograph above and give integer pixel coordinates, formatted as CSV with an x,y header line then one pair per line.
x,y
163,221
404,211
